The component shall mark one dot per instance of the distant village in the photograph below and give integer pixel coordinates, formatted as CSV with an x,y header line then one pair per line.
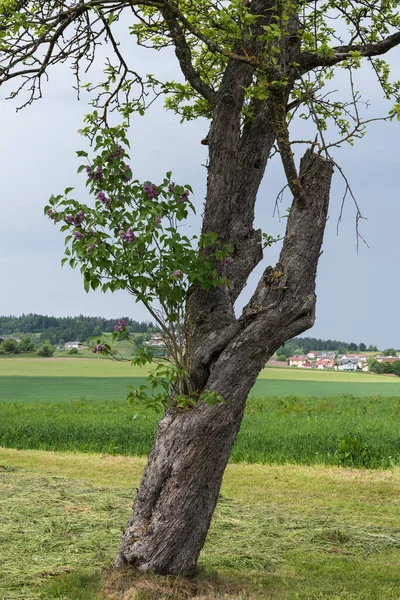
x,y
332,360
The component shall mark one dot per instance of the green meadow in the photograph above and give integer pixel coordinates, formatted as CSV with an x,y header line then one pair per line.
x,y
61,379
308,509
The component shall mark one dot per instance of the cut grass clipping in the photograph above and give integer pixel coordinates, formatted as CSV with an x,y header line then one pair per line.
x,y
279,532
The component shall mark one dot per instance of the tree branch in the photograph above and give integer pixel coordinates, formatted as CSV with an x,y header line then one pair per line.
x,y
311,60
184,56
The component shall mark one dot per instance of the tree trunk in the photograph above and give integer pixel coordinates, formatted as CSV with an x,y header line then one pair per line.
x,y
180,486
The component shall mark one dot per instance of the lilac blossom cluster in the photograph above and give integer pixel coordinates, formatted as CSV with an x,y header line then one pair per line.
x,y
51,213
150,190
98,348
124,173
116,154
121,325
176,273
78,235
127,236
77,220
98,174
184,196
103,198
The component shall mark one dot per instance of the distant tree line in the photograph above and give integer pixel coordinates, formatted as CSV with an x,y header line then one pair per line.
x,y
304,345
26,345
59,330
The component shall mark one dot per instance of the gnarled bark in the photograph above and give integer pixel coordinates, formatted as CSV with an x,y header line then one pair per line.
x,y
179,490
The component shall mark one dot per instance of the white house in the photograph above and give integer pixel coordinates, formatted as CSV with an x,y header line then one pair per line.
x,y
156,340
348,364
69,345
297,361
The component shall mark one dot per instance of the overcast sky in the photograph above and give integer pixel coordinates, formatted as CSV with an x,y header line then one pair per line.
x,y
358,293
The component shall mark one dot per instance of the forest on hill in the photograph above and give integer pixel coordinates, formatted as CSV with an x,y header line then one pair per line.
x,y
59,330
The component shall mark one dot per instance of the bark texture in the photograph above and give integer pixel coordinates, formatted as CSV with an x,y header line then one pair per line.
x,y
180,486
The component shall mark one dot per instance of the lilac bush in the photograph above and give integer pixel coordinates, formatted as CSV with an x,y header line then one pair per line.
x,y
130,239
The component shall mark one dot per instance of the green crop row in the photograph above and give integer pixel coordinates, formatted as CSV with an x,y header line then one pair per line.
x,y
346,430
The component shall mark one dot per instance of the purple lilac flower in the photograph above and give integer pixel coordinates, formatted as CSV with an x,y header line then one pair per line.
x,y
90,248
176,273
127,236
122,322
98,348
98,174
130,236
69,219
117,328
228,260
78,235
79,218
116,154
150,190
103,198
158,218
124,172
51,213
184,196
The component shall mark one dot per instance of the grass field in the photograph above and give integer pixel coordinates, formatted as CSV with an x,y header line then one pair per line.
x,y
274,430
281,533
292,416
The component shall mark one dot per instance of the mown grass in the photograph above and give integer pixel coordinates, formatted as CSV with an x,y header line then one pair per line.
x,y
301,430
280,532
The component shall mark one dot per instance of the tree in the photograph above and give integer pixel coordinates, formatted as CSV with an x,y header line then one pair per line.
x,y
362,347
46,349
26,344
10,346
251,68
389,352
281,358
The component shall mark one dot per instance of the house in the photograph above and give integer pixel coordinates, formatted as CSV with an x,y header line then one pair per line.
x,y
387,359
328,354
272,362
70,345
156,340
325,363
361,358
348,364
306,365
297,361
